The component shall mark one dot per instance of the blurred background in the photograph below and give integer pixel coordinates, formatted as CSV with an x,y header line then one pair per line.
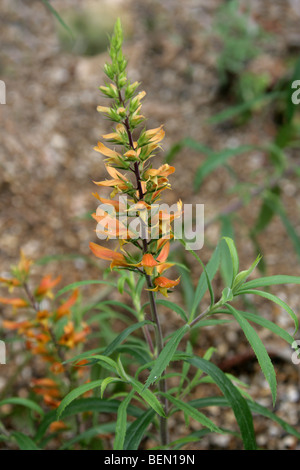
x,y
218,75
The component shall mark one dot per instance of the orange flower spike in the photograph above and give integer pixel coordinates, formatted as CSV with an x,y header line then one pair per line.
x,y
162,284
64,309
15,302
45,286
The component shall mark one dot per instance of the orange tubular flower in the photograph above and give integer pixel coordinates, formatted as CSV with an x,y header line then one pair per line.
x,y
114,157
162,284
65,308
117,205
117,259
160,176
45,286
112,227
15,302
148,261
118,181
11,283
70,338
16,325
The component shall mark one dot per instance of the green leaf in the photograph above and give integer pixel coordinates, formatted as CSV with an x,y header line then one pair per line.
x,y
254,407
215,160
271,281
118,304
24,442
179,443
106,382
227,295
138,352
105,361
172,306
190,143
210,322
234,258
58,17
136,430
234,111
82,283
226,263
84,355
276,300
193,413
148,396
211,269
259,350
122,336
83,405
166,355
122,422
276,205
107,428
23,402
233,396
211,292
75,394
243,275
269,325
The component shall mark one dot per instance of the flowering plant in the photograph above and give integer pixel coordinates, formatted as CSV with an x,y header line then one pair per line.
x,y
144,232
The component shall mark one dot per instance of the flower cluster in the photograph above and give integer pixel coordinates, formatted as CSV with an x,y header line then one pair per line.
x,y
133,177
48,332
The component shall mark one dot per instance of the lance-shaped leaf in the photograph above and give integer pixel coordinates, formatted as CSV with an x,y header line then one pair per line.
x,y
166,355
122,422
276,300
234,398
75,394
136,430
193,413
259,350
